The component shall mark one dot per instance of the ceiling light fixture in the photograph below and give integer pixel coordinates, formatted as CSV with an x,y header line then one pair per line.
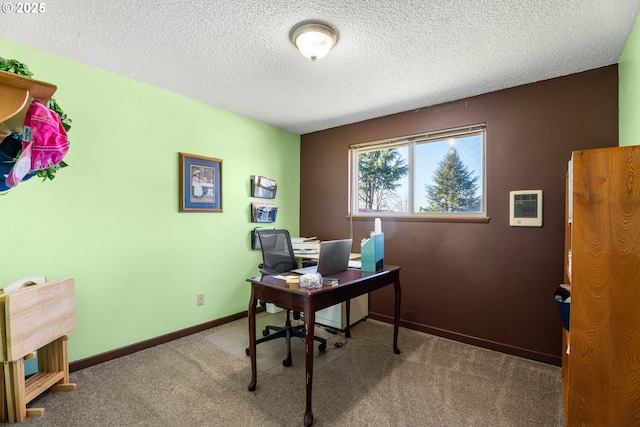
x,y
314,40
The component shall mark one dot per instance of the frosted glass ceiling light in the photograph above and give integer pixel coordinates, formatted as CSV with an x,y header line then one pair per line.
x,y
314,40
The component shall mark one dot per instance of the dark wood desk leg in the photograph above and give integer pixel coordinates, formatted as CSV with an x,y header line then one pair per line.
x,y
396,317
252,338
309,325
347,331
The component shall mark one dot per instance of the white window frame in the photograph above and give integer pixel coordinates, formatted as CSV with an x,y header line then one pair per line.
x,y
410,142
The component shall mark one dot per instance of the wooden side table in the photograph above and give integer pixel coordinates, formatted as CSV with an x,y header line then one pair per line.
x,y
34,320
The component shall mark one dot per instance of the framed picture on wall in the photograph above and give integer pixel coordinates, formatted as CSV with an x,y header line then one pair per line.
x,y
200,183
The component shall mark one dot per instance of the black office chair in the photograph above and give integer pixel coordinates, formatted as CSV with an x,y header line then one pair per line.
x,y
278,257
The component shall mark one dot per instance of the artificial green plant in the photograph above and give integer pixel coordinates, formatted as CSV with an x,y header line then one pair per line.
x,y
17,67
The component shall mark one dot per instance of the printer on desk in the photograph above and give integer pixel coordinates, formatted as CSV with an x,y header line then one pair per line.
x,y
305,245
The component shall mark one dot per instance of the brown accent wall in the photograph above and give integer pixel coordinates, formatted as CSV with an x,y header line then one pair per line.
x,y
486,284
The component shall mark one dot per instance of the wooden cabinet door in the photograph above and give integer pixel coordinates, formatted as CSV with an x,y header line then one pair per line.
x,y
604,360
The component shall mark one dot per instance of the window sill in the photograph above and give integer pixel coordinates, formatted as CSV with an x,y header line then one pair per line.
x,y
416,218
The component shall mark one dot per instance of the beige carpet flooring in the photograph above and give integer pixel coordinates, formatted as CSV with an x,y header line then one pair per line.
x,y
234,340
196,381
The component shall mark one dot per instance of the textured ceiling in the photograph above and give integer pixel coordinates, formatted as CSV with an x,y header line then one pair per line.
x,y
391,56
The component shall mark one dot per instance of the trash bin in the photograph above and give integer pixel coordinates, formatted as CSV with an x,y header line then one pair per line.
x,y
563,301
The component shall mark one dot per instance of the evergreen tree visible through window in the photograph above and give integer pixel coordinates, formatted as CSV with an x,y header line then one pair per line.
x,y
455,188
379,175
433,174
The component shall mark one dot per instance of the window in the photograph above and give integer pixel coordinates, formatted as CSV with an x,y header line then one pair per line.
x,y
435,174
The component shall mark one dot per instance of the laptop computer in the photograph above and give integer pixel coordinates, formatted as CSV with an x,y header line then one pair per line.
x,y
333,258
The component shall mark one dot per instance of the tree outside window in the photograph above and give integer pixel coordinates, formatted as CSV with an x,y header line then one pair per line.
x,y
380,174
440,174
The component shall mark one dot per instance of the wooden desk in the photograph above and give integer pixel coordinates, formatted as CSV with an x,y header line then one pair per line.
x,y
353,283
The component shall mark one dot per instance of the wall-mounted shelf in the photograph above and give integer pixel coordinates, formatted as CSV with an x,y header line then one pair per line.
x,y
263,212
15,92
263,187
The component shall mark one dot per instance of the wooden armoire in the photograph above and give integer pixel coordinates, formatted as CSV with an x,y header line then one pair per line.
x,y
601,358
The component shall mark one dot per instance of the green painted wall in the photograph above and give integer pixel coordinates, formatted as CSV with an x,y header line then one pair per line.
x,y
629,89
110,220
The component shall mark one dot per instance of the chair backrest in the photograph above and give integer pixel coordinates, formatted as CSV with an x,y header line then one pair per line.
x,y
277,252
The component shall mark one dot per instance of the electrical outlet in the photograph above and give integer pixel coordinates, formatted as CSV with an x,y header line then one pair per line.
x,y
200,299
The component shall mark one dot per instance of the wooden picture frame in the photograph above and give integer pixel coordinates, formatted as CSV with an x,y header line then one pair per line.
x,y
200,183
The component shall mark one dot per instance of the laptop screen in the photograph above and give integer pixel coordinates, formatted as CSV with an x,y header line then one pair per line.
x,y
333,258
